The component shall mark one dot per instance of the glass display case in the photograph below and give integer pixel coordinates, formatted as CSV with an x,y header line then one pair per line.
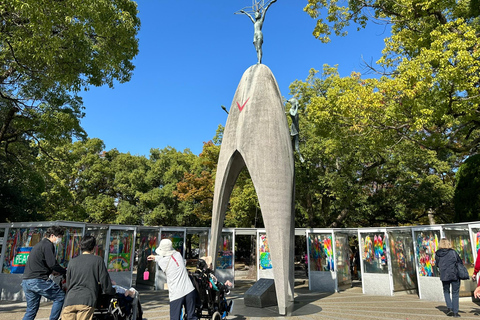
x,y
374,252
69,247
225,263
146,243
19,243
426,244
402,259
460,239
203,244
265,259
322,267
342,258
320,252
225,251
100,233
177,236
120,250
474,230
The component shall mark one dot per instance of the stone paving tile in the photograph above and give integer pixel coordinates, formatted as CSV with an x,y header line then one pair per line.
x,y
346,305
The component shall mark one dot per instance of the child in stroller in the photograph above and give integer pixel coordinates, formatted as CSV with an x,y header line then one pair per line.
x,y
124,305
211,302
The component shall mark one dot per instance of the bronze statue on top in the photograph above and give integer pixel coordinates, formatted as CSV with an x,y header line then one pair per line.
x,y
259,12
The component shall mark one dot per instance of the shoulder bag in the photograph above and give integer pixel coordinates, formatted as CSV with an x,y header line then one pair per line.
x,y
462,272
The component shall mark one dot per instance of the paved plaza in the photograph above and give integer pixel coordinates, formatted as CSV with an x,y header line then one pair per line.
x,y
350,304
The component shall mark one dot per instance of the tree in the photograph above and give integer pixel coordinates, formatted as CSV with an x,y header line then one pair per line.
x,y
467,190
431,66
355,170
427,92
196,187
81,186
50,50
160,204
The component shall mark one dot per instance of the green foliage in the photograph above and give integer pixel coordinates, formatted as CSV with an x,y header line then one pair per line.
x,y
407,131
359,171
467,190
50,50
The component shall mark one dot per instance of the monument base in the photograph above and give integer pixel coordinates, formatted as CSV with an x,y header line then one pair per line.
x,y
261,294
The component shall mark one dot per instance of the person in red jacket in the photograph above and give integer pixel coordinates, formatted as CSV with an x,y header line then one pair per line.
x,y
476,293
477,267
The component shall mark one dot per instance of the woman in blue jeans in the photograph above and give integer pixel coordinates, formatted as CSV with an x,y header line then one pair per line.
x,y
446,259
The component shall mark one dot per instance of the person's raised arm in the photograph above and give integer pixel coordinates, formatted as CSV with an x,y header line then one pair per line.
x,y
265,11
244,12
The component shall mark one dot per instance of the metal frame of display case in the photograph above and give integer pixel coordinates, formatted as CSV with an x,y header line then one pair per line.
x,y
381,283
317,280
428,288
3,243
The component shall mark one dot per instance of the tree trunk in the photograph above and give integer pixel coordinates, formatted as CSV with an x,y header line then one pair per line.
x,y
431,216
339,219
6,123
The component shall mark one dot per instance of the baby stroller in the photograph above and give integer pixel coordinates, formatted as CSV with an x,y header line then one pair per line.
x,y
124,305
211,302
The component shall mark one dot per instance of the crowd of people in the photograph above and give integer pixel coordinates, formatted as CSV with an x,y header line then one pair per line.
x,y
87,277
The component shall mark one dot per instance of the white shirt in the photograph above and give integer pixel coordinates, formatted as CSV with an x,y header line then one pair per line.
x,y
179,284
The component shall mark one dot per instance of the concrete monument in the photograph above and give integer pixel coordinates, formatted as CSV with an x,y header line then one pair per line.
x,y
257,136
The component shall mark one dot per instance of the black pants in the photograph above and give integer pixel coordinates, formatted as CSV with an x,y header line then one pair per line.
x,y
188,301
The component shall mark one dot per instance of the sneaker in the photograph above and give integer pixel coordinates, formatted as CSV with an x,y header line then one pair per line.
x,y
456,315
450,313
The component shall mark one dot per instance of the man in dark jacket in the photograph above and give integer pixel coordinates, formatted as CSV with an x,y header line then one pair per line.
x,y
446,259
86,276
40,264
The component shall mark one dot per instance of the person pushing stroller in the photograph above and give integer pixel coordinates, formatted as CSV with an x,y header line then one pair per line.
x,y
211,292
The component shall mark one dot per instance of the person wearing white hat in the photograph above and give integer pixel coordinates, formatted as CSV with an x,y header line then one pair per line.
x,y
180,288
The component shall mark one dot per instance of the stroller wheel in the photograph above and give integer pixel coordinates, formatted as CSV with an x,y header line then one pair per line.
x,y
216,316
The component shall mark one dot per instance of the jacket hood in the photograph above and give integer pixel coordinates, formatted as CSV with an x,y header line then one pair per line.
x,y
442,252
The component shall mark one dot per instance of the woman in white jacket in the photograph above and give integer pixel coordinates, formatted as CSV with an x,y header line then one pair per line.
x,y
180,288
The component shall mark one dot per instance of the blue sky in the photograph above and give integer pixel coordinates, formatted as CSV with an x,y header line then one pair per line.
x,y
192,56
